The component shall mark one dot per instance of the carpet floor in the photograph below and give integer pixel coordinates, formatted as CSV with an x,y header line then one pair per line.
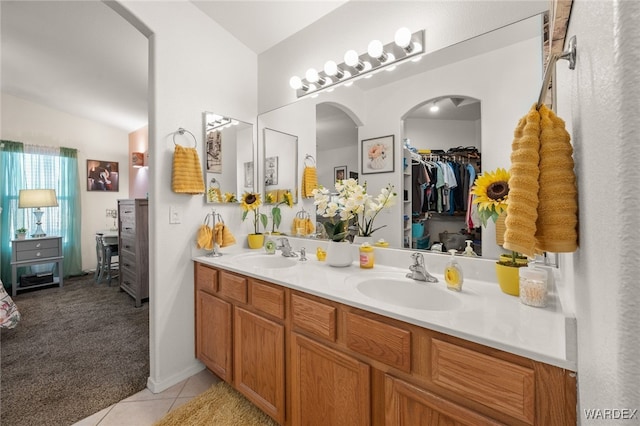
x,y
221,405
77,350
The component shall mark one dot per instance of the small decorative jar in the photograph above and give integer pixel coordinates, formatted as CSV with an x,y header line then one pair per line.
x,y
366,256
533,286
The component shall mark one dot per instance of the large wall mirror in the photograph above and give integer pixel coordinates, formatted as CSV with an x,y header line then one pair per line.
x,y
229,168
493,78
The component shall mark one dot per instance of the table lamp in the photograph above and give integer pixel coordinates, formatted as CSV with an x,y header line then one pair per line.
x,y
37,198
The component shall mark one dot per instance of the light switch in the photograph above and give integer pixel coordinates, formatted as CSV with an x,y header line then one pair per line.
x,y
174,215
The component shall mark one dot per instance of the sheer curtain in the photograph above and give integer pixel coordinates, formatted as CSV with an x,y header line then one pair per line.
x,y
33,167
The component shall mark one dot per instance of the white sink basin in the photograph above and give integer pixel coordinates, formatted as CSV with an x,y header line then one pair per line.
x,y
399,291
265,261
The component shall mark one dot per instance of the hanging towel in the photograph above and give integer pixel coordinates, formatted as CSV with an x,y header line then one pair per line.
x,y
227,237
302,226
309,181
542,214
187,171
556,227
522,210
204,238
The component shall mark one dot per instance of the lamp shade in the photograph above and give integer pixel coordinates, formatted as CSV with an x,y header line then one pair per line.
x,y
29,198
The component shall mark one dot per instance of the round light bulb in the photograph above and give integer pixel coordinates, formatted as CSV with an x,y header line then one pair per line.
x,y
331,68
311,75
375,49
434,108
295,82
351,58
403,37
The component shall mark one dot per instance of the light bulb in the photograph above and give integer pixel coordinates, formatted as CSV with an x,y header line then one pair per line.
x,y
295,82
311,75
434,108
331,68
351,58
403,37
375,49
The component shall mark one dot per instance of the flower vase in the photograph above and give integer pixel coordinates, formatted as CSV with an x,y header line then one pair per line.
x,y
509,279
339,254
358,239
255,241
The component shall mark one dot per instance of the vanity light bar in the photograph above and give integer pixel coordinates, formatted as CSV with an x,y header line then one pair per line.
x,y
219,122
406,46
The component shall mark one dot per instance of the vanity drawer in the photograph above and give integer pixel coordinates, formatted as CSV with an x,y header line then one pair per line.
x,y
37,254
378,340
315,317
267,298
36,244
206,278
233,286
499,384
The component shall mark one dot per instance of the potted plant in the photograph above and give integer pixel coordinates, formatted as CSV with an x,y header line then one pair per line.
x,y
251,202
276,214
491,190
21,233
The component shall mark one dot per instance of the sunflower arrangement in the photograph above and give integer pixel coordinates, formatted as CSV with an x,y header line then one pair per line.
x,y
492,194
251,202
230,197
276,214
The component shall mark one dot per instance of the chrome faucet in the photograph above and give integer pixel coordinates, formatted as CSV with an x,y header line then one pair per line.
x,y
284,246
419,271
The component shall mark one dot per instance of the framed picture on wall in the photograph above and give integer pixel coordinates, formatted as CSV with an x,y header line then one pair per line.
x,y
271,171
340,173
353,175
102,175
214,152
377,155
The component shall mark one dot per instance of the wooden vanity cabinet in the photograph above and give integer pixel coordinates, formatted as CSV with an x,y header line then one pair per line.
x,y
240,335
306,360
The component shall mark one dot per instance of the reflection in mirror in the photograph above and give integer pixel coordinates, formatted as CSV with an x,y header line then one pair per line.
x,y
336,143
280,165
442,141
501,68
228,143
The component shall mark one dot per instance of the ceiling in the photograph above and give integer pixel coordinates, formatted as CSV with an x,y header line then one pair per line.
x,y
82,58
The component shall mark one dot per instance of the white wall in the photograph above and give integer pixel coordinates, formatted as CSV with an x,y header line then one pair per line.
x,y
31,123
442,134
186,50
599,101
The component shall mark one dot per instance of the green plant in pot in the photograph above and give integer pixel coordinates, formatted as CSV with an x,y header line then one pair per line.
x,y
21,233
491,190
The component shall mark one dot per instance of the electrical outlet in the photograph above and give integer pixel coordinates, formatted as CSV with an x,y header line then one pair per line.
x,y
174,215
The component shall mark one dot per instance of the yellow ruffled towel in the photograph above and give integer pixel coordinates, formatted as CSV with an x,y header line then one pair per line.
x,y
309,181
204,238
302,226
542,214
187,171
223,236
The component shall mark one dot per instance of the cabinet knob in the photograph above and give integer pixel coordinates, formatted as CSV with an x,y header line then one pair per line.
x,y
38,254
38,245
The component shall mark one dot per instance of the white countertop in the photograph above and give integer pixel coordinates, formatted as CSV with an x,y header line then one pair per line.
x,y
484,315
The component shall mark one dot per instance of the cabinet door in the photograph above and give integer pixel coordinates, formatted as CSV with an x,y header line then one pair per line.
x,y
259,361
408,405
327,387
213,334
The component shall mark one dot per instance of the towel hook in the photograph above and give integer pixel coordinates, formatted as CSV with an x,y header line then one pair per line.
x,y
182,131
309,157
569,55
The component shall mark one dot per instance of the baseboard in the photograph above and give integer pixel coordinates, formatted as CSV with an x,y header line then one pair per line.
x,y
157,386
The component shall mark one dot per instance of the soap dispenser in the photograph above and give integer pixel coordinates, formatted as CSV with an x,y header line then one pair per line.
x,y
453,273
468,251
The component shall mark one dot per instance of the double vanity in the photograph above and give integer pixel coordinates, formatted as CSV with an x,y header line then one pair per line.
x,y
313,344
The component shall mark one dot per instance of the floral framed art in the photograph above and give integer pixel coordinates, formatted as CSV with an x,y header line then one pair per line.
x,y
377,155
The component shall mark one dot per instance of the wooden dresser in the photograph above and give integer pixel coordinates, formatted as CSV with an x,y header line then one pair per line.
x,y
133,241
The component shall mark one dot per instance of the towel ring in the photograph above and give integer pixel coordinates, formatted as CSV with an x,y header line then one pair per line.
x,y
213,183
303,214
309,157
182,131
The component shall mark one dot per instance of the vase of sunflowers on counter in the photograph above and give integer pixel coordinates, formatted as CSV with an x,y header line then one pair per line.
x,y
251,202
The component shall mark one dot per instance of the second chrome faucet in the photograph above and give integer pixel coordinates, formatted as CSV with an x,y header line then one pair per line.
x,y
419,271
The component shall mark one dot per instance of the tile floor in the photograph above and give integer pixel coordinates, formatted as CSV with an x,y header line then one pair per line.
x,y
145,407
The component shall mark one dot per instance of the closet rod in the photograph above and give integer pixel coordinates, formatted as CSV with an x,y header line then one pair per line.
x,y
570,55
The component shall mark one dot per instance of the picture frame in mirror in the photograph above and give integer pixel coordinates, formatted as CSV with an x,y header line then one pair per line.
x,y
340,173
377,155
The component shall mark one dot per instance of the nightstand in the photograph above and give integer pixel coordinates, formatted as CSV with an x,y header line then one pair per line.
x,y
35,251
